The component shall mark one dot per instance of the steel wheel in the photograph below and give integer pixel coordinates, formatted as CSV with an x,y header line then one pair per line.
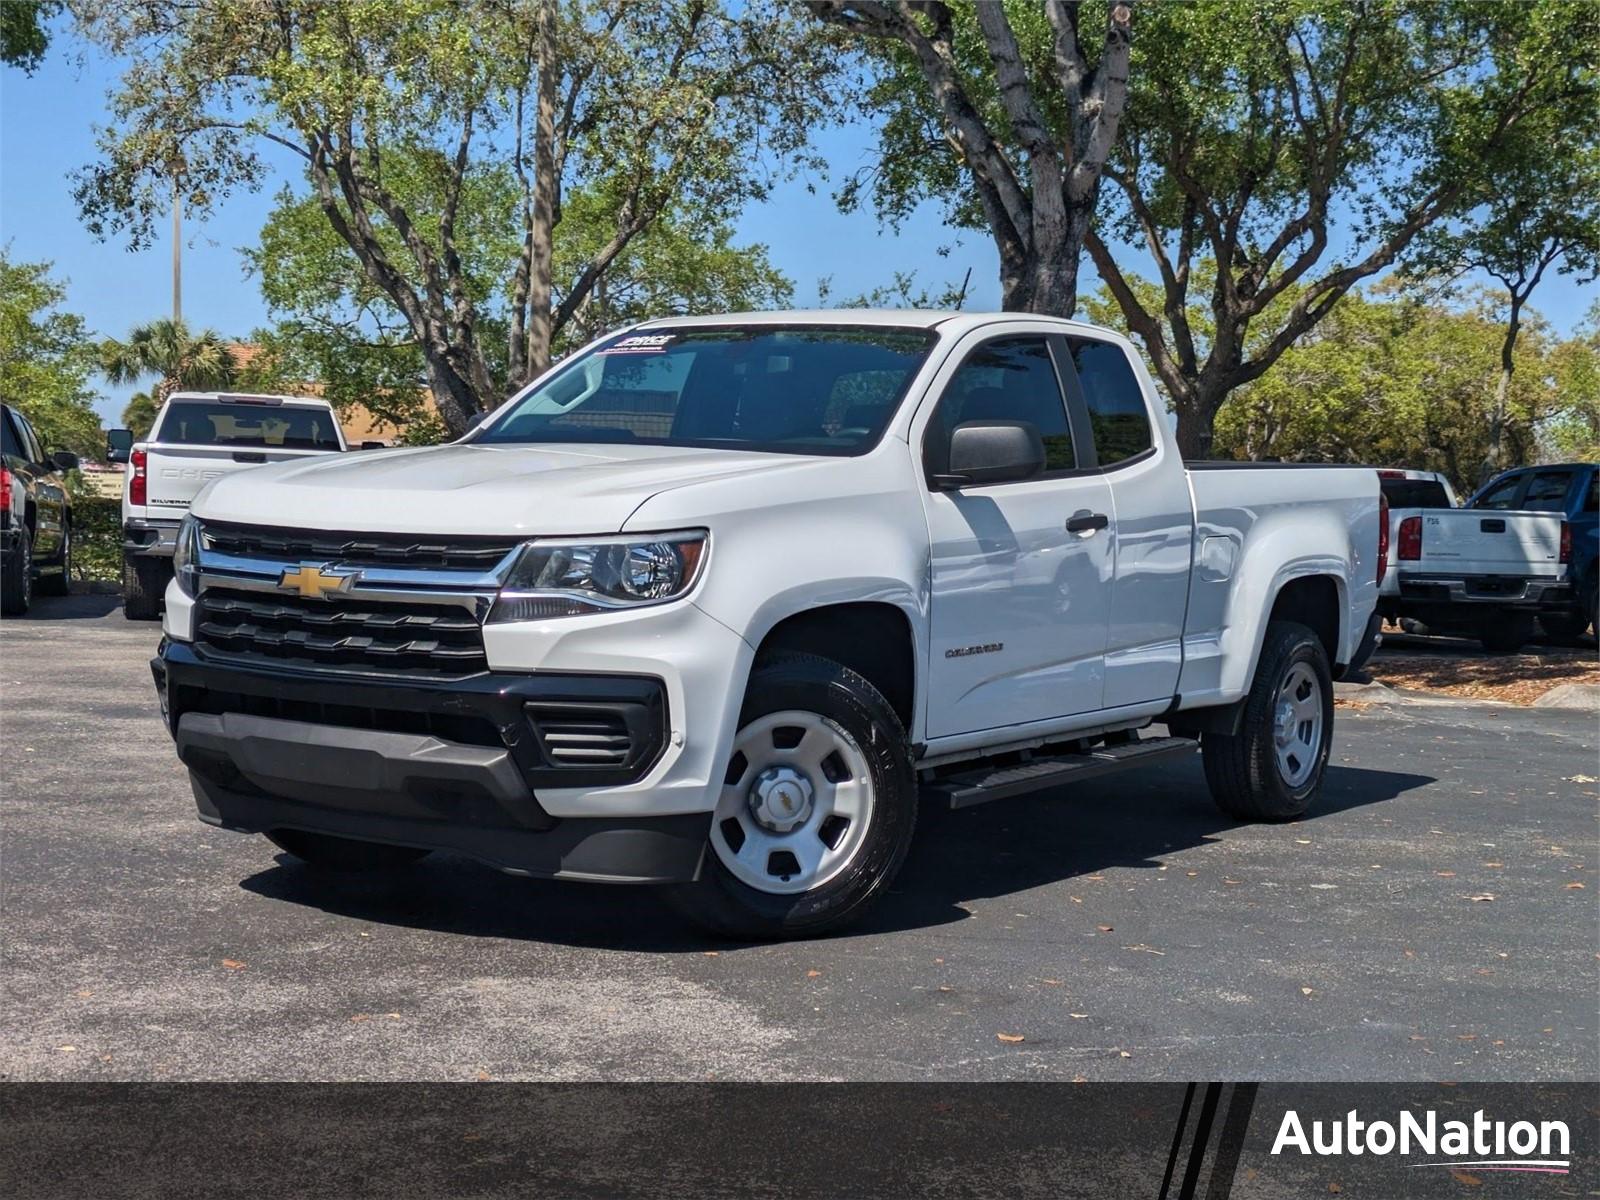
x,y
796,803
1297,724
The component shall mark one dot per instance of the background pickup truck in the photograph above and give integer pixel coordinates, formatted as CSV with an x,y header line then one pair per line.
x,y
35,515
198,437
706,604
1522,550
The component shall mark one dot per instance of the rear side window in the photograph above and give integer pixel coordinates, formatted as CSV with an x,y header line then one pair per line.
x,y
1008,379
1117,412
1591,502
1547,491
10,443
201,423
1501,495
1415,493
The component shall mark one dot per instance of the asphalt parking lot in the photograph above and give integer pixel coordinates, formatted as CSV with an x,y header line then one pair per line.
x,y
1434,918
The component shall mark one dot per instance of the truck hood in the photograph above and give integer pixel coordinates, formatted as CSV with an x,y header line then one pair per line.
x,y
527,490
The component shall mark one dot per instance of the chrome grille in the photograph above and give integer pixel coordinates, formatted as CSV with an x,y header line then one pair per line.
x,y
416,637
477,554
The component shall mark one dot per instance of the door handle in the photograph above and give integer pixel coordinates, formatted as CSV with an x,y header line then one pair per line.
x,y
1084,521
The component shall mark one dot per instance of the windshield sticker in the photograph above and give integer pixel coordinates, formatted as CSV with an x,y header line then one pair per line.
x,y
644,343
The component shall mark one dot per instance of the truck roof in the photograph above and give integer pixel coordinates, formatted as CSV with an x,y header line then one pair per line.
x,y
264,398
900,318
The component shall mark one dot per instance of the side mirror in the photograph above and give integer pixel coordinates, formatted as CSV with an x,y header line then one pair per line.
x,y
64,460
984,452
478,418
119,445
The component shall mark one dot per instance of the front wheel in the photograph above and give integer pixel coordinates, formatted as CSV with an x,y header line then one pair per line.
x,y
816,811
16,578
59,583
1272,768
329,853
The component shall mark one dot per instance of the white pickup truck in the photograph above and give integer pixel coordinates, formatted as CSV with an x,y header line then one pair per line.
x,y
706,603
1489,570
198,437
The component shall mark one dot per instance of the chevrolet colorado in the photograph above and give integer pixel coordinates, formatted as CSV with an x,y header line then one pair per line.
x,y
706,603
195,438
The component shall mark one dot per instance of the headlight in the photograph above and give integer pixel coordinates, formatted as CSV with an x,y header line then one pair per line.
x,y
186,557
559,577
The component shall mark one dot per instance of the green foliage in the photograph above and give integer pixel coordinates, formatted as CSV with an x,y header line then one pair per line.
x,y
180,360
23,37
139,414
1406,383
46,359
97,538
1574,432
421,129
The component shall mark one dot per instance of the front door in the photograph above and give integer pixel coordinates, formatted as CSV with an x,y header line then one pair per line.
x,y
1020,602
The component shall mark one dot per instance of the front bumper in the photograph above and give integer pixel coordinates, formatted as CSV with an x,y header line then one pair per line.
x,y
153,539
449,765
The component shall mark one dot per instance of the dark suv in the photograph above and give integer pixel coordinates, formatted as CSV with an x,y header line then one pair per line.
x,y
35,515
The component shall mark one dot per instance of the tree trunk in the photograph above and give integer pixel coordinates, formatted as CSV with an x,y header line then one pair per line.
x,y
1045,281
1502,392
542,234
1196,420
453,395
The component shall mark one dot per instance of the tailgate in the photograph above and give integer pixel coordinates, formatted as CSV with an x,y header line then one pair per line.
x,y
1490,541
177,473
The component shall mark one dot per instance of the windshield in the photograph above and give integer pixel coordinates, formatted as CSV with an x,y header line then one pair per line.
x,y
203,423
794,389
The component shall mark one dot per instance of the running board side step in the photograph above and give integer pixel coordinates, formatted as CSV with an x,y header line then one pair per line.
x,y
998,783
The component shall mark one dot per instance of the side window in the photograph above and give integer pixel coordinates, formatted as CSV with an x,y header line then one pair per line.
x,y
1547,492
1502,494
31,449
12,443
1008,379
1591,502
1117,412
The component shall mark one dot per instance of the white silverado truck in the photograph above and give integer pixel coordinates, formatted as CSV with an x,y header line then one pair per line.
x,y
704,605
198,437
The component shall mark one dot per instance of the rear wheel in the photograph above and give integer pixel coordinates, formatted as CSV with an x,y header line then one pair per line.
x,y
1506,633
329,853
1564,627
1272,768
60,583
143,581
816,811
16,579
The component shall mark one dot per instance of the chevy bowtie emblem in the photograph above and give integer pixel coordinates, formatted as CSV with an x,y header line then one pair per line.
x,y
313,582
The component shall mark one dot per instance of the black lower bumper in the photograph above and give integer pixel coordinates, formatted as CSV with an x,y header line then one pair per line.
x,y
154,539
442,765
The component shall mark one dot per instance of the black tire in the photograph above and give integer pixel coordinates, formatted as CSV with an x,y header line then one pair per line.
x,y
143,581
1564,627
16,579
1507,634
1241,768
329,853
725,905
59,583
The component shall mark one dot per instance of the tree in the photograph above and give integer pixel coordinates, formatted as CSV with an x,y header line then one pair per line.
x,y
181,360
1539,210
338,330
653,105
1269,139
46,359
1015,97
23,36
139,414
1574,432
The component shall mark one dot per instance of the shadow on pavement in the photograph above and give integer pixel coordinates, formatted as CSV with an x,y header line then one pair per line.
x,y
77,607
1134,820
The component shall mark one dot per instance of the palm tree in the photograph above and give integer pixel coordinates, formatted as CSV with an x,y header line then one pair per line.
x,y
166,348
139,414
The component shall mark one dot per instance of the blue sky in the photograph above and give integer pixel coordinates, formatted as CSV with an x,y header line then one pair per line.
x,y
47,131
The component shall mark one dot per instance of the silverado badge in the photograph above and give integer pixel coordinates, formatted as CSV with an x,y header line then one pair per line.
x,y
313,582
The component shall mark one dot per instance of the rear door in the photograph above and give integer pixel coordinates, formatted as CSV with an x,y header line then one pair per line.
x,y
1154,529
